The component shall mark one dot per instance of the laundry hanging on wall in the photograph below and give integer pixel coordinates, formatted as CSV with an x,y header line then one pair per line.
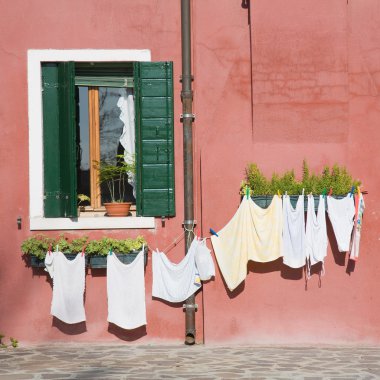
x,y
68,286
359,210
293,235
177,282
316,231
204,261
126,292
253,233
341,214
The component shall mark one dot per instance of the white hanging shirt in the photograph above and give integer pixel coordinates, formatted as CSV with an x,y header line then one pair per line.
x,y
316,232
341,213
253,233
359,210
68,286
293,235
175,282
126,292
203,261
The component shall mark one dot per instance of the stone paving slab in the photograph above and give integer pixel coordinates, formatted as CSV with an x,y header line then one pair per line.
x,y
120,361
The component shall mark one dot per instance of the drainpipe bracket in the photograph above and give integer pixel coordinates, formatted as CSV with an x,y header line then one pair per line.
x,y
187,116
189,223
190,306
181,77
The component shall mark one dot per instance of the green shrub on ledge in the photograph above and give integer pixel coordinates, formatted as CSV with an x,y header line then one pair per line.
x,y
38,245
336,178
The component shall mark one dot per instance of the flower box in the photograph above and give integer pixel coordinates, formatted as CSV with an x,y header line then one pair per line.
x,y
35,262
100,261
265,200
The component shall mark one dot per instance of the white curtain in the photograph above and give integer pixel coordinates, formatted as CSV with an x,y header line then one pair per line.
x,y
127,138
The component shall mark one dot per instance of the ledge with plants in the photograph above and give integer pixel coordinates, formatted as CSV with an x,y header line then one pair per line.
x,y
35,248
335,179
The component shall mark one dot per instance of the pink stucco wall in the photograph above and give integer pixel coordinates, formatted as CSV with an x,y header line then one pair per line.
x,y
301,81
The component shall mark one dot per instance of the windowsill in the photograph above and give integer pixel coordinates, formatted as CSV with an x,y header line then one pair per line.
x,y
91,223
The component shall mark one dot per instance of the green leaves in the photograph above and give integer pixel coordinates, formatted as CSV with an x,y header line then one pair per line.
x,y
114,175
38,245
336,178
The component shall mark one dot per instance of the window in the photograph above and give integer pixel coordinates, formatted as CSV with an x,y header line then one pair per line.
x,y
64,83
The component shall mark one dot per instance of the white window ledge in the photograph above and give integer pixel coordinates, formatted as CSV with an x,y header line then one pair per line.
x,y
95,223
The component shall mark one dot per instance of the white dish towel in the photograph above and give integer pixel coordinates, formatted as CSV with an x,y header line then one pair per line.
x,y
126,292
175,282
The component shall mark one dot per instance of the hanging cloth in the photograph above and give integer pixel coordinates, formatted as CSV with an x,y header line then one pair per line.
x,y
127,138
316,232
175,282
204,262
359,210
293,235
341,213
126,292
68,286
253,233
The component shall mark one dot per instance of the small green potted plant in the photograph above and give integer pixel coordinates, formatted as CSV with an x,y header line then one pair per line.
x,y
82,198
114,175
337,179
125,249
35,248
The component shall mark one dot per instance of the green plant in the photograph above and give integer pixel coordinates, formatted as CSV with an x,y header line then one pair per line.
x,y
104,245
114,175
14,342
83,198
38,245
336,178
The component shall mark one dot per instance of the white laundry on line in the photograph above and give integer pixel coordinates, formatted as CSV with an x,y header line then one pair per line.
x,y
68,286
316,232
253,233
293,235
341,214
175,282
126,292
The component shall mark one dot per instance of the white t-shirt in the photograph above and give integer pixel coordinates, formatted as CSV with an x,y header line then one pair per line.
x,y
126,292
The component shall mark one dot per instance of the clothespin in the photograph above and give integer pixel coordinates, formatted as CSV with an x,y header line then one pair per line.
x,y
110,250
330,192
247,192
352,191
56,248
324,192
303,191
83,249
212,232
49,249
358,188
278,193
286,193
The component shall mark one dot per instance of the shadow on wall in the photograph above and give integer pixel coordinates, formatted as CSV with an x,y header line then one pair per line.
x,y
127,335
288,273
69,329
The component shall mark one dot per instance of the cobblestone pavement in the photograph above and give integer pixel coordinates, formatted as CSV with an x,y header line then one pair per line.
x,y
101,361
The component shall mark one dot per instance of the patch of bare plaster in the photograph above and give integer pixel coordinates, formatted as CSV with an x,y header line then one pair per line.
x,y
299,123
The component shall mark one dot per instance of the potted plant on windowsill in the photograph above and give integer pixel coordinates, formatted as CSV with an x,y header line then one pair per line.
x,y
114,175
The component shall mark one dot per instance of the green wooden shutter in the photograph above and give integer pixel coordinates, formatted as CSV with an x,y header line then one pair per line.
x,y
154,138
59,137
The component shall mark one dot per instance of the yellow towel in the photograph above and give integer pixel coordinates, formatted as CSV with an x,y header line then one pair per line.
x,y
253,233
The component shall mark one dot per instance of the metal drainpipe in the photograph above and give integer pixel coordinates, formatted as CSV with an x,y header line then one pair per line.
x,y
187,120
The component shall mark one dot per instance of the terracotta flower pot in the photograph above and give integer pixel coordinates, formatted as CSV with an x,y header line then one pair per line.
x,y
118,209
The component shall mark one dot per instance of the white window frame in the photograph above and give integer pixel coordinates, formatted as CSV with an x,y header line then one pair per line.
x,y
36,178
